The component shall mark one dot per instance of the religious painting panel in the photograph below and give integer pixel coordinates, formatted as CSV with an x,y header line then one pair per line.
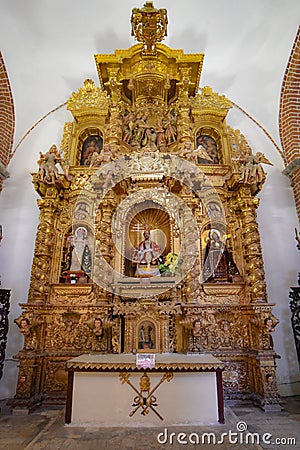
x,y
91,145
206,144
147,339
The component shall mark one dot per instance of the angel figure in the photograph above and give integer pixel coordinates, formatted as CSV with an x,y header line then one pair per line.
x,y
28,329
106,155
187,151
269,325
99,331
251,170
48,171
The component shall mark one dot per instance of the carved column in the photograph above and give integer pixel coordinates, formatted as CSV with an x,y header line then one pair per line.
x,y
103,231
30,360
114,136
255,276
262,324
295,308
184,131
4,310
40,274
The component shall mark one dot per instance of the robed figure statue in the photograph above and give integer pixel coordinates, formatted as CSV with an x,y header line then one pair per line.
x,y
147,256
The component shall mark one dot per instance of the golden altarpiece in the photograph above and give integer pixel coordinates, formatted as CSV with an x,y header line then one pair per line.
x,y
148,239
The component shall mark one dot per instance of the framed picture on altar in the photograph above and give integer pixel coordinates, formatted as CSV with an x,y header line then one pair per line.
x,y
147,337
145,360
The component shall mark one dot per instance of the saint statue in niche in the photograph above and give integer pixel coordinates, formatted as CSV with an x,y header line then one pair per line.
x,y
98,341
81,254
195,340
147,256
146,335
218,262
78,257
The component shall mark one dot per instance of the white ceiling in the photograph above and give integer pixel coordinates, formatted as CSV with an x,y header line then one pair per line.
x,y
48,47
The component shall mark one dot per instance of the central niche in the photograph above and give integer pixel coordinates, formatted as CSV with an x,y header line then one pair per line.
x,y
149,222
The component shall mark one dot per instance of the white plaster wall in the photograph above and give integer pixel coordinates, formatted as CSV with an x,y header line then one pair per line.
x,y
19,218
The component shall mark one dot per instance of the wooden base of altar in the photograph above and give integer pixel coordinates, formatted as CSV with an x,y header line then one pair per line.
x,y
110,390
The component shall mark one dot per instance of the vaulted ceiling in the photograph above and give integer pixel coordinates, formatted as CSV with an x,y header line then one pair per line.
x,y
48,49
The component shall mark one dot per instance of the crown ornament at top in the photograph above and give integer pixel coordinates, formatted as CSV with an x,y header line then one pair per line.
x,y
149,26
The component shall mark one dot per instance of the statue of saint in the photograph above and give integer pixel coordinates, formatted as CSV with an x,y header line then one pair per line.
x,y
218,262
48,171
146,339
195,344
98,343
81,259
147,256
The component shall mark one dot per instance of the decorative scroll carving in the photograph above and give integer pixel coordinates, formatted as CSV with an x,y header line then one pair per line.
x,y
57,377
236,380
88,98
211,100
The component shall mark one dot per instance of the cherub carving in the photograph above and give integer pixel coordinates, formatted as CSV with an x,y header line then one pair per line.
x,y
269,325
106,155
99,333
29,330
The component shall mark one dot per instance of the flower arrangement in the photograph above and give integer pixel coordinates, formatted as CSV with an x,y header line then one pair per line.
x,y
171,266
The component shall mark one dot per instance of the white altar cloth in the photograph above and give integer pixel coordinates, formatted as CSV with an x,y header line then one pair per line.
x,y
99,398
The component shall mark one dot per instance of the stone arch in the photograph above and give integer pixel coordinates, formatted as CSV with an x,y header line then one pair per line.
x,y
289,119
7,124
174,207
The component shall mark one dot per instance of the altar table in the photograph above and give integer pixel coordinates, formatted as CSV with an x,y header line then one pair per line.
x,y
105,390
